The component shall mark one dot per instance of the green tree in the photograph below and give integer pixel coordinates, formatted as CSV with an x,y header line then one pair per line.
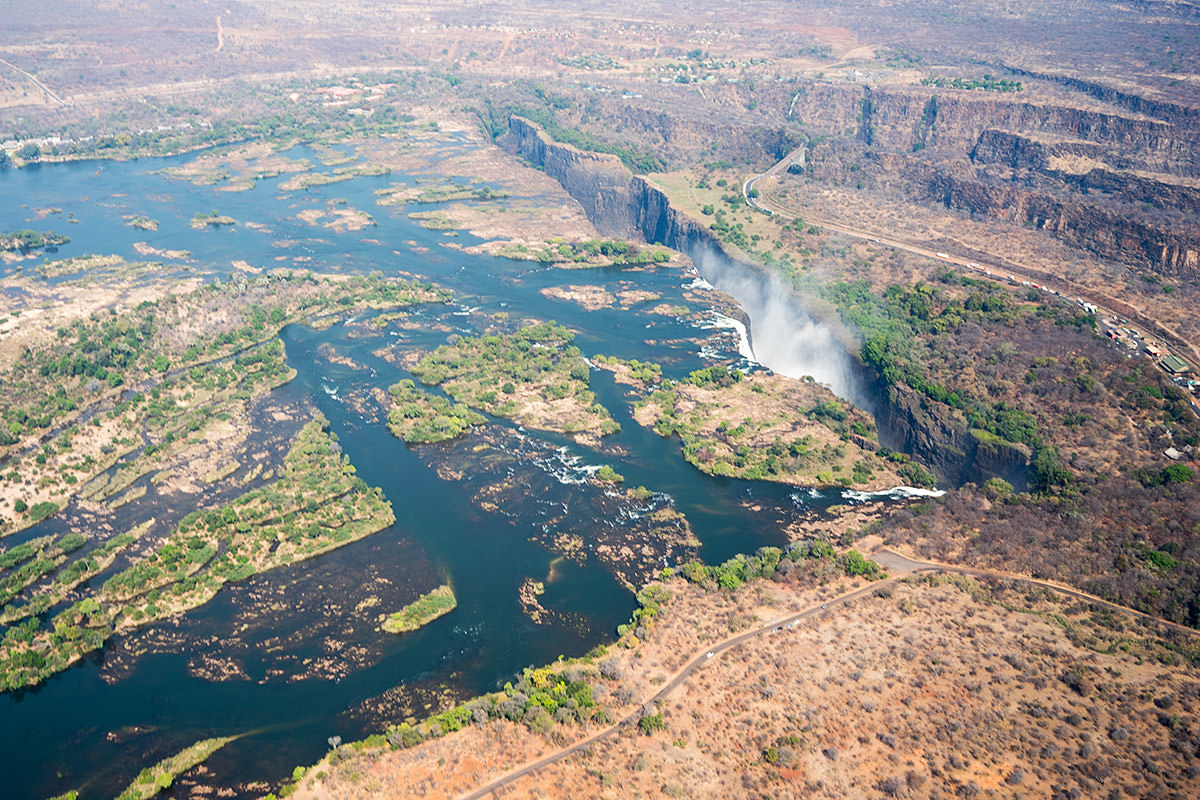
x,y
651,723
1177,473
1049,473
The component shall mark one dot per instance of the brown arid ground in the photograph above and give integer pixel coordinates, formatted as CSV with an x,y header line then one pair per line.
x,y
529,208
929,687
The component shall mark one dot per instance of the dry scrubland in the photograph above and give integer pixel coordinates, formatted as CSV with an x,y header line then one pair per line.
x,y
918,132
927,688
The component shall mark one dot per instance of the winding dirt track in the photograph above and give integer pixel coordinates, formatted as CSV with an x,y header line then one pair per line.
x,y
900,566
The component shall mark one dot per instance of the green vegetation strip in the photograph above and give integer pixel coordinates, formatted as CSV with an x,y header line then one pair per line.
x,y
159,777
588,253
762,428
25,240
422,611
315,506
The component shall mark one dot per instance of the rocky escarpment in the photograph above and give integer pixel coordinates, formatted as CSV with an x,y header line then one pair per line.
x,y
1162,109
632,206
1119,178
939,438
599,182
617,202
1163,239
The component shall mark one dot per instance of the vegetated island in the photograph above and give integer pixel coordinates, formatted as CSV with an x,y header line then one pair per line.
x,y
159,777
213,219
421,417
422,611
23,241
316,505
586,253
534,376
761,426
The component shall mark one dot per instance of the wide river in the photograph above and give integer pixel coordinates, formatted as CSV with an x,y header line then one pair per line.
x,y
95,726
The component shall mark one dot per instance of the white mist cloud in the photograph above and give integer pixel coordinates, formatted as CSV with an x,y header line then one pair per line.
x,y
783,337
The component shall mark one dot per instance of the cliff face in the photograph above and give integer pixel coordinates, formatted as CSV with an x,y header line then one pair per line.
x,y
598,181
940,439
620,203
617,202
1121,180
962,117
1101,226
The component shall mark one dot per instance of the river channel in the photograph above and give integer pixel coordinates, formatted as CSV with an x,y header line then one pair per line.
x,y
292,657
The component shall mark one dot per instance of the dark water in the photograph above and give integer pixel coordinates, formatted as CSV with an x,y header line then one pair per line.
x,y
147,695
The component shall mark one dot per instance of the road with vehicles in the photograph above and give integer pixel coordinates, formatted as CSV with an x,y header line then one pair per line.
x,y
996,267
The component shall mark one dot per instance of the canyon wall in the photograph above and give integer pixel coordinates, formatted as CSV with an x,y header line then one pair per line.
x,y
621,204
1105,177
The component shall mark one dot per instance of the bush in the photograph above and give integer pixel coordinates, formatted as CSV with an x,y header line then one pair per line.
x,y
608,475
42,510
855,563
917,476
651,723
1177,473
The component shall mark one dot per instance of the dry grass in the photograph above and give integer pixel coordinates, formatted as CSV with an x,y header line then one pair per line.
x,y
922,691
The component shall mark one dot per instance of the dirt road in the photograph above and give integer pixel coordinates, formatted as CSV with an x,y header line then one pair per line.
x,y
898,565
679,677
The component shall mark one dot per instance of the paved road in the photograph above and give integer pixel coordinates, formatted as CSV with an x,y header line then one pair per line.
x,y
899,565
998,270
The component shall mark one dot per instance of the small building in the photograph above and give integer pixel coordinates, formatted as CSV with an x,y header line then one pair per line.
x,y
1175,365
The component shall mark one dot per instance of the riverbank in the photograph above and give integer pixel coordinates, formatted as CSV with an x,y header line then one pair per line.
x,y
682,742
315,506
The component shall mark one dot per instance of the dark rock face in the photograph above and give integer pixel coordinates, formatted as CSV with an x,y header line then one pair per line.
x,y
1105,229
1121,180
939,438
622,204
598,181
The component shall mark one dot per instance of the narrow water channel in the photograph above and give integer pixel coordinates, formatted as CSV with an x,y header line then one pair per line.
x,y
148,695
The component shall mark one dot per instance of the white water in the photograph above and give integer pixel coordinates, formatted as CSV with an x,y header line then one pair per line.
x,y
782,336
898,493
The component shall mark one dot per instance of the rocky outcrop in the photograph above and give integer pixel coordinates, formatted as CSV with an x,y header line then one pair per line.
x,y
598,181
621,203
